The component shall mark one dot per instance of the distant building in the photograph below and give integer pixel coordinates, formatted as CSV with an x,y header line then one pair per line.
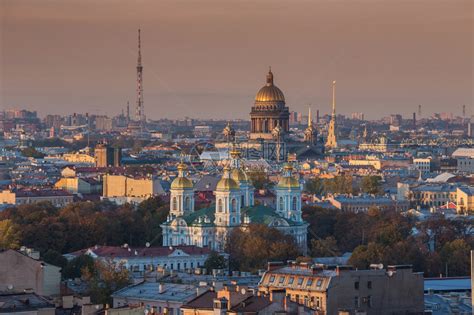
x,y
78,158
25,303
363,203
77,185
158,298
465,200
121,188
23,270
142,259
58,198
422,164
242,300
202,131
342,290
103,123
465,165
107,156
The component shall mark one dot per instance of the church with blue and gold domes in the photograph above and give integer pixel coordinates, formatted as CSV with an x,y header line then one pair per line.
x,y
233,208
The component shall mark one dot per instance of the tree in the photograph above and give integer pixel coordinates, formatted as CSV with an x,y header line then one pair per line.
x,y
314,186
252,248
54,258
364,255
455,256
105,278
74,267
32,152
371,185
324,247
9,235
214,261
341,184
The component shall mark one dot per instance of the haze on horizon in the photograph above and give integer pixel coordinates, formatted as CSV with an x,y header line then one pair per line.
x,y
208,58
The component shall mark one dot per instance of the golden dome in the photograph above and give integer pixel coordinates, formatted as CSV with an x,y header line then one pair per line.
x,y
270,92
181,183
239,175
288,182
226,183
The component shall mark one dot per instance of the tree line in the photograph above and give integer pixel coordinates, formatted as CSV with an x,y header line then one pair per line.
x,y
435,246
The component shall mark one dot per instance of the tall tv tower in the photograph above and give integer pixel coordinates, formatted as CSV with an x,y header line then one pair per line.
x,y
140,110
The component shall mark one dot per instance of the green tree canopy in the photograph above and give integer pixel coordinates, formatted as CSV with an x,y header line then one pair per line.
x,y
251,249
371,185
214,261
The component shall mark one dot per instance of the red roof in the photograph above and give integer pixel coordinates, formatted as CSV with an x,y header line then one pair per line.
x,y
120,251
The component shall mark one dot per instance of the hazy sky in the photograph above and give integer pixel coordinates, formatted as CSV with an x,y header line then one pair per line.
x,y
208,58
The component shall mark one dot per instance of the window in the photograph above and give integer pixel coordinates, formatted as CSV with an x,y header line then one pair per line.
x,y
356,285
356,301
319,282
281,204
187,204
369,285
175,204
295,203
219,205
369,301
292,279
233,207
300,281
281,279
272,278
309,282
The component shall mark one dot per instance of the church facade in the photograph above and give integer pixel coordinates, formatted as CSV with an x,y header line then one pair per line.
x,y
233,208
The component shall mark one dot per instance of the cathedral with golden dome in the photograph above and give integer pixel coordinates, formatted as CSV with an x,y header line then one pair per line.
x,y
233,208
269,111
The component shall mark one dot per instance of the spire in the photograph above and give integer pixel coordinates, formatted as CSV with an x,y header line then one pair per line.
x,y
139,49
270,76
140,110
333,98
310,119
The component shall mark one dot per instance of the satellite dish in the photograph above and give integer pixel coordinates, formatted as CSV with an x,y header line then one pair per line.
x,y
147,244
10,287
125,245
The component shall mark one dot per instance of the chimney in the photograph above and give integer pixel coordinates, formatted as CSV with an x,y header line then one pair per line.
x,y
161,288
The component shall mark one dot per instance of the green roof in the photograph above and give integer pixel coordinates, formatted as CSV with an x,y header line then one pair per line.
x,y
260,214
192,218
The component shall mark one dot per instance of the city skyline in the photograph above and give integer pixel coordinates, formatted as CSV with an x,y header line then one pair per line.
x,y
88,64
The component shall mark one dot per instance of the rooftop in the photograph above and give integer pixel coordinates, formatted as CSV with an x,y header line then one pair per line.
x,y
154,291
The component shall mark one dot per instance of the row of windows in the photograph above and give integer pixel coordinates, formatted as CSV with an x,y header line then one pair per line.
x,y
294,203
233,205
299,281
150,267
187,203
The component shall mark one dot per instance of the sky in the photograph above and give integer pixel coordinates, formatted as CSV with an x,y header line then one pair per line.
x,y
208,58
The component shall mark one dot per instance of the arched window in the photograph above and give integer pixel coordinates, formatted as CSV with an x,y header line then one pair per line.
x,y
219,205
295,203
175,204
281,207
233,206
187,203
242,201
